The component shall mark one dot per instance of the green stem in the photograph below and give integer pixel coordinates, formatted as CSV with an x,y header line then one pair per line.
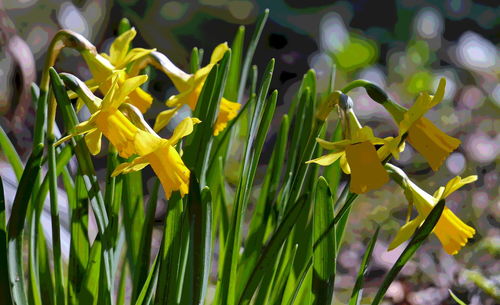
x,y
355,84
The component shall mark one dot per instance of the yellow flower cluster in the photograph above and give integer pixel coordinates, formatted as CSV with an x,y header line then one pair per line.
x,y
112,76
360,158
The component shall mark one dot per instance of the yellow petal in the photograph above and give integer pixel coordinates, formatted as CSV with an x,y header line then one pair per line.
x,y
126,167
188,97
218,53
228,111
405,232
438,97
93,141
125,88
111,92
419,108
456,183
344,165
326,159
367,173
99,66
184,128
164,117
431,142
132,55
338,145
120,47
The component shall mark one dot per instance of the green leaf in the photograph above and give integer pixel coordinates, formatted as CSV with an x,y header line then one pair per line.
x,y
146,293
199,143
357,290
280,283
16,222
250,52
418,238
261,119
233,77
89,291
200,210
10,152
55,223
194,62
133,217
269,253
124,26
145,245
79,242
170,252
454,297
4,264
324,256
263,208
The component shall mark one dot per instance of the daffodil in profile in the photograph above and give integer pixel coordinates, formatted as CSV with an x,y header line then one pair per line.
x,y
163,157
103,66
358,156
432,143
107,119
190,86
128,138
451,231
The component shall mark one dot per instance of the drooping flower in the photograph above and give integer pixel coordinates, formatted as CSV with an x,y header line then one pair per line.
x,y
358,156
423,135
163,158
451,231
190,86
108,120
130,140
103,66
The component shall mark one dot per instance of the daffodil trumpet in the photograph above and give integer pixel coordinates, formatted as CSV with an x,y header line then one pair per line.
x,y
451,231
189,87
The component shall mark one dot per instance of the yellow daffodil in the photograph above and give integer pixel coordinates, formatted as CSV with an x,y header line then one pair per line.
x,y
358,156
452,232
423,135
131,140
190,86
103,66
107,120
163,158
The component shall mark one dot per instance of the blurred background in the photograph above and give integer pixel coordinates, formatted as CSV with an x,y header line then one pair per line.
x,y
403,46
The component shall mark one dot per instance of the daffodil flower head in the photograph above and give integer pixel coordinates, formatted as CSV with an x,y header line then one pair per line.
x,y
432,143
358,156
103,66
163,158
190,89
108,120
451,231
121,54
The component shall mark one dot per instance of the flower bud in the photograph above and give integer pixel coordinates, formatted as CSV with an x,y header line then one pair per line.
x,y
376,93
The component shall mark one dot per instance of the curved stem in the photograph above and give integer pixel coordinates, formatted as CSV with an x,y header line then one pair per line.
x,y
355,84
